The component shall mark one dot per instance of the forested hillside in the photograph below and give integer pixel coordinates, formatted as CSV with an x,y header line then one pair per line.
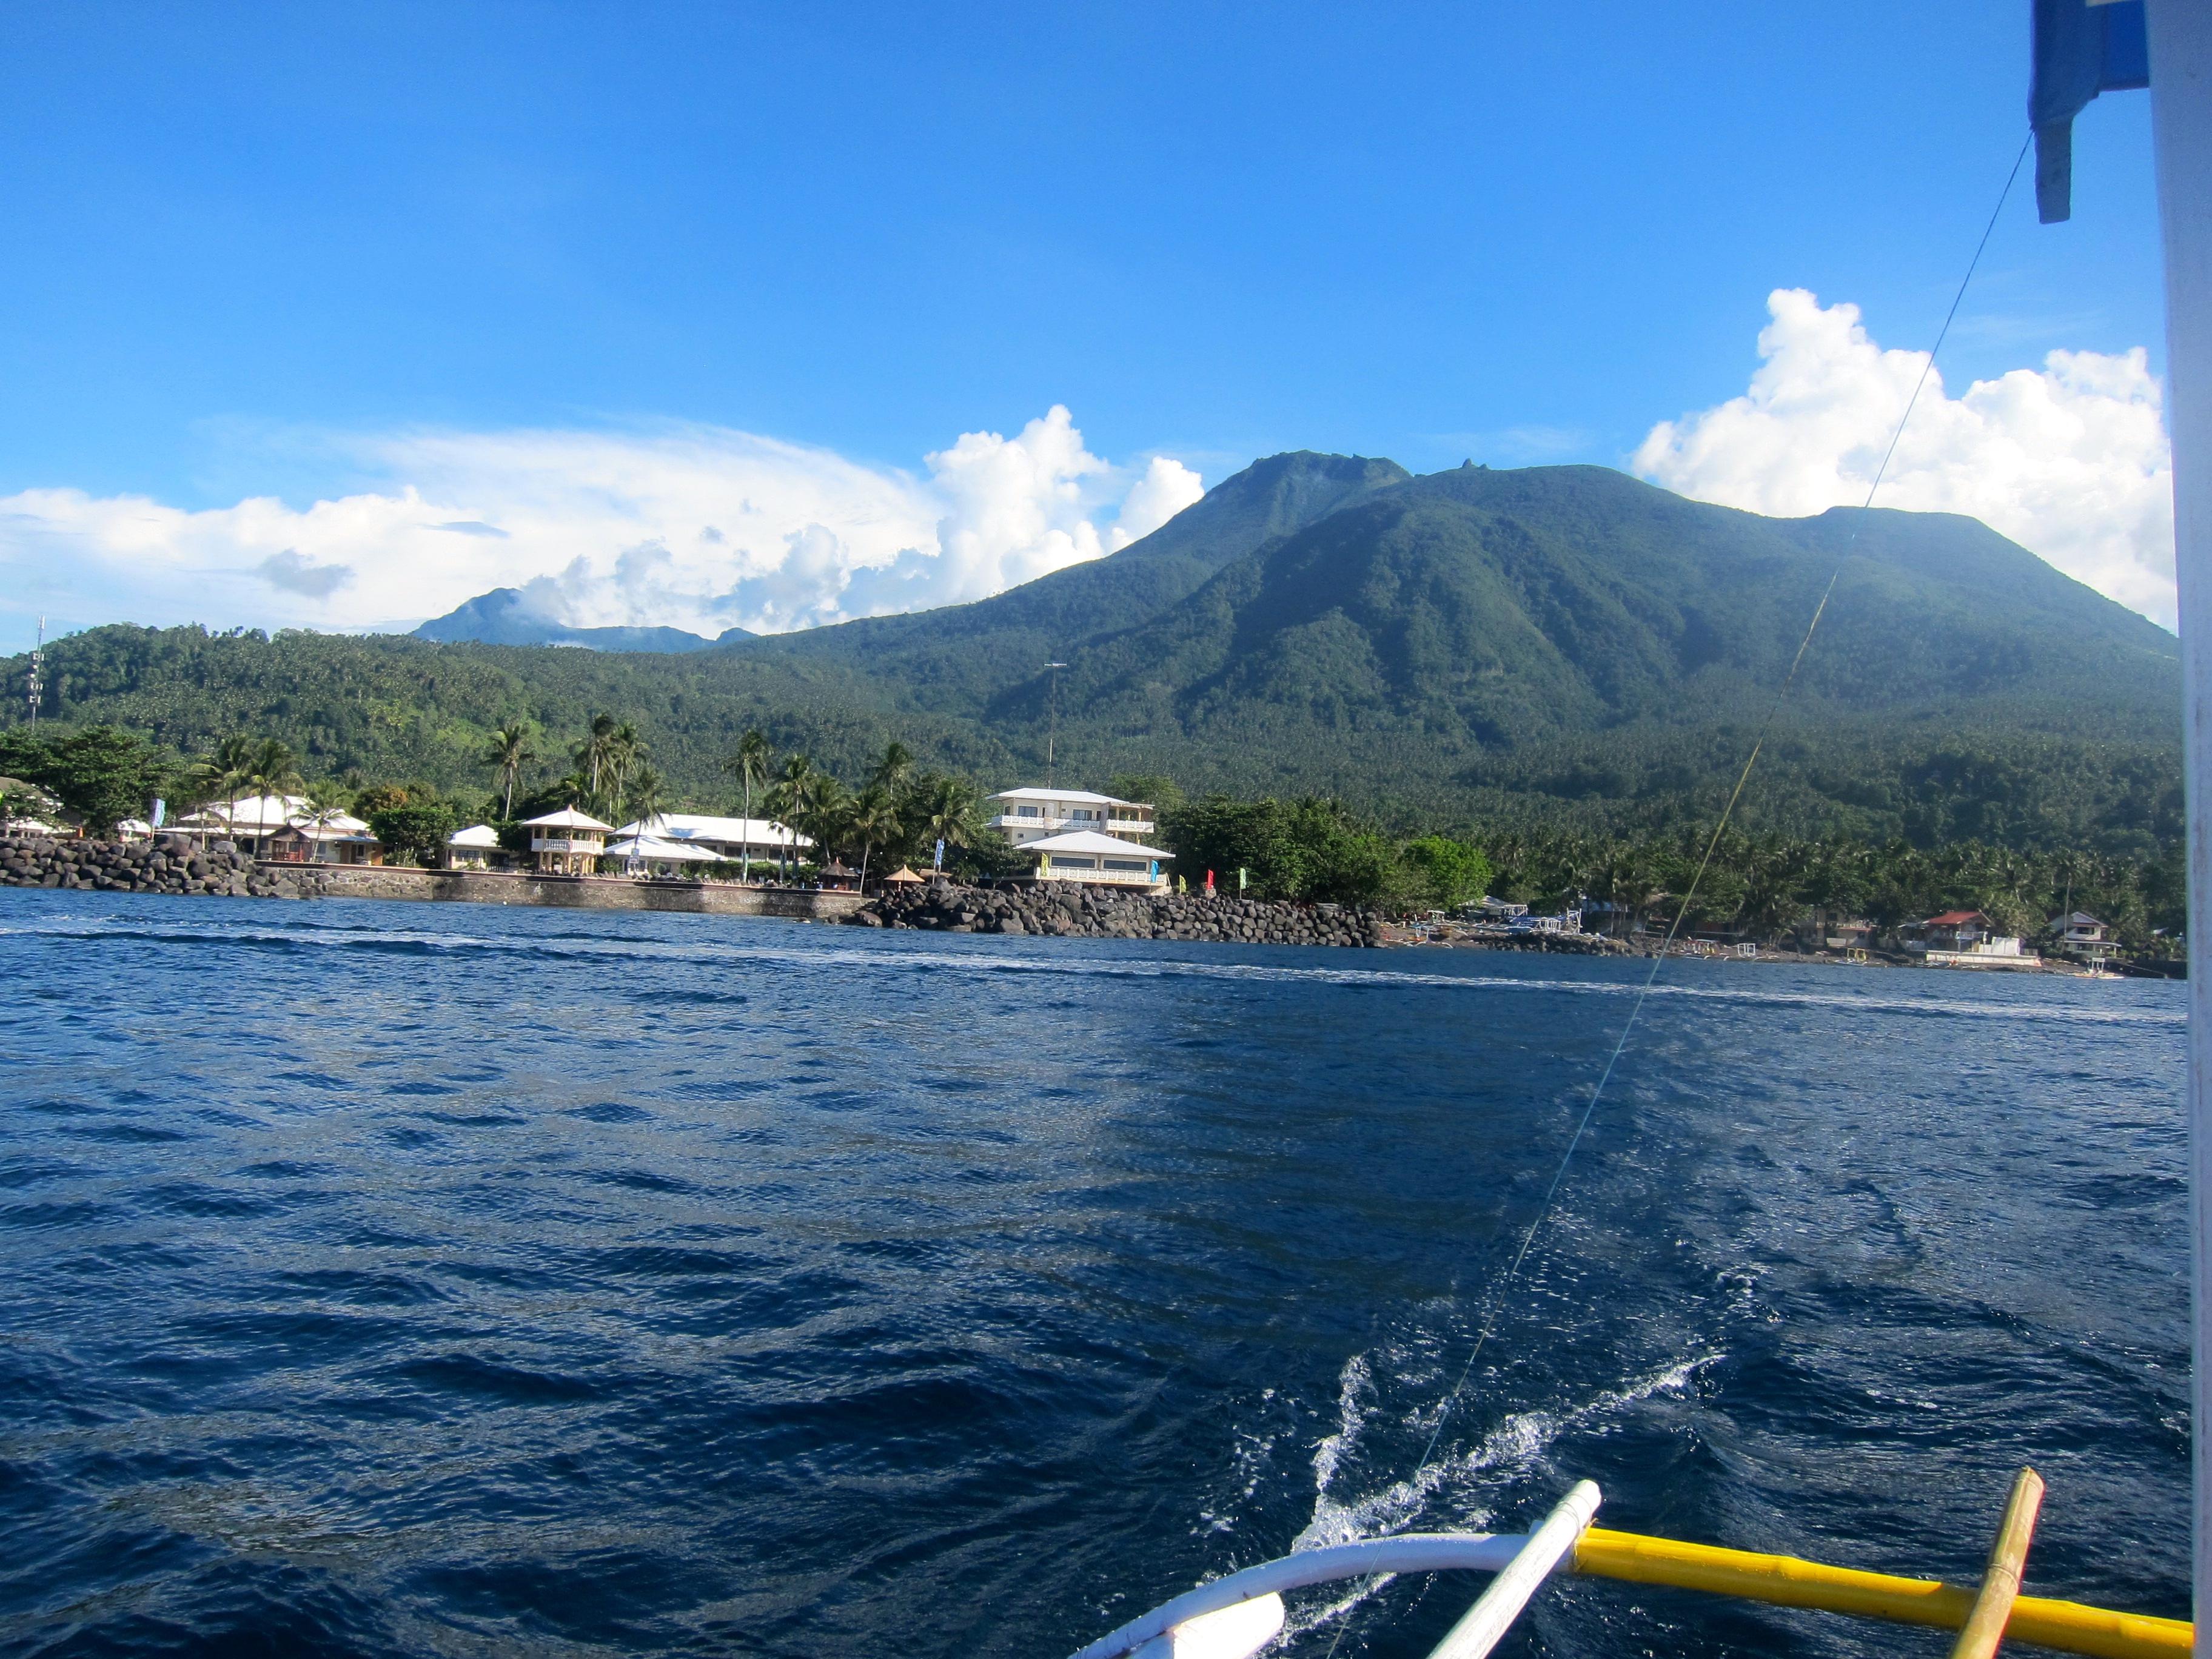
x,y
1558,645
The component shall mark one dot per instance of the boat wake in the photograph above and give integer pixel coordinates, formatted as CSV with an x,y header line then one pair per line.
x,y
1455,1493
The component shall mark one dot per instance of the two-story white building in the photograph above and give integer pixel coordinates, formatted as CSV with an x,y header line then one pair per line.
x,y
1076,835
568,843
1026,815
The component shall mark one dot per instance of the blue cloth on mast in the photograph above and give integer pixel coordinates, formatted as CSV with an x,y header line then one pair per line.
x,y
2080,50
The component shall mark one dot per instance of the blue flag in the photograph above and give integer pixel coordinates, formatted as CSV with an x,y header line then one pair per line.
x,y
2082,47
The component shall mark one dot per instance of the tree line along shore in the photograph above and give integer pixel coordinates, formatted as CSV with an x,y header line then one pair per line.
x,y
1764,887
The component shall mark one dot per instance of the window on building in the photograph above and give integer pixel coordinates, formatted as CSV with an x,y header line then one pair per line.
x,y
1030,811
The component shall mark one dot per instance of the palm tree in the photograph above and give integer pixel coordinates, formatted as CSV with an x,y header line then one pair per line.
x,y
510,752
794,801
869,817
270,773
646,800
223,772
591,755
893,769
321,814
749,764
951,811
625,750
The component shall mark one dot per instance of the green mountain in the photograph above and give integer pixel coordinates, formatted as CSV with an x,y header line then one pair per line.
x,y
504,617
1547,643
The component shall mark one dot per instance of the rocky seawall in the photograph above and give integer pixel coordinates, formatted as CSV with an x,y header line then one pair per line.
x,y
170,865
1069,912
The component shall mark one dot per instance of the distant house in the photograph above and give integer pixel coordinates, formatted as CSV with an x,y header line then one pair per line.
x,y
249,824
1963,938
472,848
1023,816
1084,855
730,840
568,843
324,838
1954,930
2078,931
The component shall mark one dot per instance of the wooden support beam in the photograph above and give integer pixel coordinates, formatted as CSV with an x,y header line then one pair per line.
x,y
1986,1624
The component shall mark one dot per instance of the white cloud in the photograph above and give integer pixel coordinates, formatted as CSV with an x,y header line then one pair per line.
x,y
696,527
2070,461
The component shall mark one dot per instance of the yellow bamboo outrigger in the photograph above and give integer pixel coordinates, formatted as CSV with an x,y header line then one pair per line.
x,y
1787,1581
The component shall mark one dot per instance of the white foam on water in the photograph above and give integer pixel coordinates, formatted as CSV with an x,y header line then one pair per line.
x,y
1517,1445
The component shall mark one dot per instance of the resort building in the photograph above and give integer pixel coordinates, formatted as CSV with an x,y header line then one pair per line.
x,y
730,840
325,838
654,856
472,848
248,824
568,843
1084,855
1025,816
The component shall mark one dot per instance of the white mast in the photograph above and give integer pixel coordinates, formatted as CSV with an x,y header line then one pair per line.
x,y
2181,125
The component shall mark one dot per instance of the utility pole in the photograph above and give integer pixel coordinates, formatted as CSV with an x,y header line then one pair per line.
x,y
1051,731
36,689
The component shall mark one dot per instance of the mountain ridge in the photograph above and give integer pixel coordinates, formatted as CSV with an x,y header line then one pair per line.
x,y
1546,641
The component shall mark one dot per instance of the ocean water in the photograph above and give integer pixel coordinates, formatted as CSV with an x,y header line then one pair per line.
x,y
389,1279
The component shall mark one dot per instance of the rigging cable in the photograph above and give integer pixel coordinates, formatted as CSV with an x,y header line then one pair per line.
x,y
1496,1298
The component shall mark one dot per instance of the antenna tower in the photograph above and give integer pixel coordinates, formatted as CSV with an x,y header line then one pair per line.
x,y
1051,731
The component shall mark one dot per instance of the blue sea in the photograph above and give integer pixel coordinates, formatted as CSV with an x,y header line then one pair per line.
x,y
430,1279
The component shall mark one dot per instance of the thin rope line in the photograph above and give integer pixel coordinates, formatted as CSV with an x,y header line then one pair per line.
x,y
1495,1300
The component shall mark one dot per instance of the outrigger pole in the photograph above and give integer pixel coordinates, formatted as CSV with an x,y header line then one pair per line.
x,y
2180,42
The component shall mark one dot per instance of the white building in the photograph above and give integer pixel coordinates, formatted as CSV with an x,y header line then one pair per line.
x,y
1023,816
472,848
568,843
249,821
728,839
1084,855
324,838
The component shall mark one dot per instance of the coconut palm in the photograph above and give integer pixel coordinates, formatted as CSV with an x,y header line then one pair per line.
x,y
593,754
646,800
219,774
951,811
626,753
869,817
749,764
792,801
270,773
893,770
510,752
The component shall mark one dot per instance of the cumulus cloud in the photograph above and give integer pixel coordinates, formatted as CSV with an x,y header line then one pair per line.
x,y
2070,460
690,526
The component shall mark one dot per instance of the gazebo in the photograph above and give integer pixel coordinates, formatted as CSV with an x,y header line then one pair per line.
x,y
568,843
902,877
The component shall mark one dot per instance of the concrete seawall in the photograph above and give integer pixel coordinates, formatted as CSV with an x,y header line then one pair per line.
x,y
563,892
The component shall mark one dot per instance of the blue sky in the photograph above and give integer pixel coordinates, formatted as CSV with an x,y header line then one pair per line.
x,y
254,248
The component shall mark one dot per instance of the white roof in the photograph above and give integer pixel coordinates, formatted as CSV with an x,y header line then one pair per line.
x,y
651,847
260,813
477,835
702,826
569,818
1090,841
1077,797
